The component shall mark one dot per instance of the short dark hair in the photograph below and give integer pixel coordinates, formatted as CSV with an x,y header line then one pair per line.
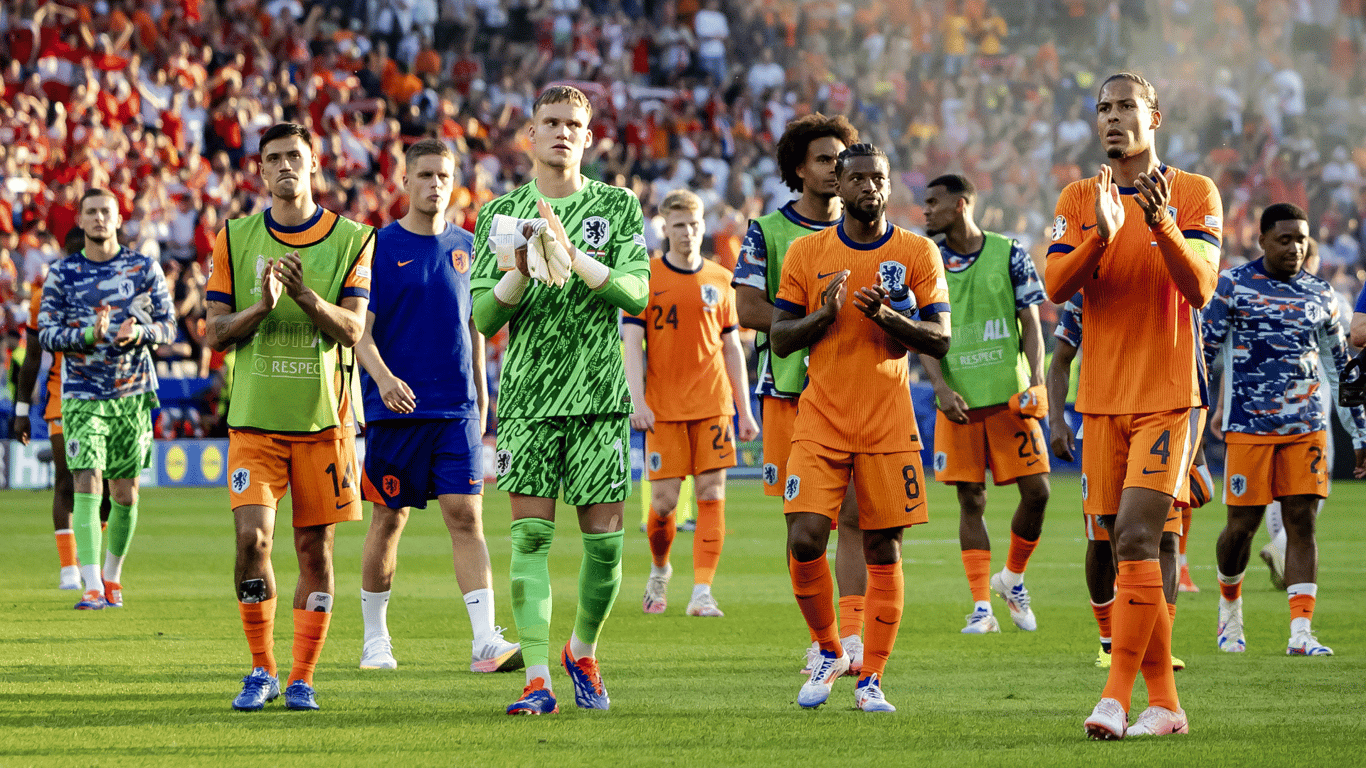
x,y
74,242
95,192
427,147
956,184
1277,212
283,131
857,150
563,94
797,138
1149,92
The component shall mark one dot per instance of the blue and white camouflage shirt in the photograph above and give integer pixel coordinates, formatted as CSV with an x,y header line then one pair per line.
x,y
1274,335
135,286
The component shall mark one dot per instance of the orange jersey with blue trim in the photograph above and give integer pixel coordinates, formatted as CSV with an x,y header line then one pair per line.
x,y
220,288
685,375
1141,352
858,395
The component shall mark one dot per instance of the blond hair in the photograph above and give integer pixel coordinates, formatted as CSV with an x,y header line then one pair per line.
x,y
680,200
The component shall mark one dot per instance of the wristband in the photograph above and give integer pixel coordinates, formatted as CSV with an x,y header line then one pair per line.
x,y
20,410
593,272
90,336
510,288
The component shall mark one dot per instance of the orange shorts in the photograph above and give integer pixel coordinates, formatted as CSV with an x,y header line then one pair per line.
x,y
779,414
1011,445
1148,450
888,485
321,473
682,448
1261,468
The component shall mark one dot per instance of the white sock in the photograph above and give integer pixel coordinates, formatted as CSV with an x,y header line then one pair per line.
x,y
663,573
374,609
1011,578
479,603
982,605
1180,561
699,590
578,648
71,571
1279,540
542,671
113,567
1230,580
90,574
1274,526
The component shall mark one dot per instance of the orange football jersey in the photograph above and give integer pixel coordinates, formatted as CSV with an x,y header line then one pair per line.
x,y
1141,352
858,395
54,374
685,373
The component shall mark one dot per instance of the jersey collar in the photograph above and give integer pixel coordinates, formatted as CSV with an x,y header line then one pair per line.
x,y
881,241
1162,169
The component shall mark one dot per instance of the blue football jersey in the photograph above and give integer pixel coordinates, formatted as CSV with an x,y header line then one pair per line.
x,y
1274,337
420,296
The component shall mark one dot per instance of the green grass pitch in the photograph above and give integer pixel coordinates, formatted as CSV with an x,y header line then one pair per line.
x,y
150,684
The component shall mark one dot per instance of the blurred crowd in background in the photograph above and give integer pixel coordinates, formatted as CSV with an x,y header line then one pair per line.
x,y
163,102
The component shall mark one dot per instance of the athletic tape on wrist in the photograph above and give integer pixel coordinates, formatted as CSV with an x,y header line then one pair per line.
x,y
590,270
20,410
510,288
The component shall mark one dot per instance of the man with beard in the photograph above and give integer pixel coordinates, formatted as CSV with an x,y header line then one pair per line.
x,y
856,416
991,396
806,160
1141,242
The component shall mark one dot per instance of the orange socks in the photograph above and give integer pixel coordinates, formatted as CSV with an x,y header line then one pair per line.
x,y
310,631
1229,588
66,547
1302,607
886,596
258,622
1102,612
707,539
1020,550
1138,607
659,529
815,591
977,564
1157,663
851,615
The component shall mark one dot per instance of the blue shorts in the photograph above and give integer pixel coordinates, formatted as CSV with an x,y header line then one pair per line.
x,y
408,461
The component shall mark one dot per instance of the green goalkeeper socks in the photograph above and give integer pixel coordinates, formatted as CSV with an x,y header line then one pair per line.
x,y
85,518
599,582
122,522
531,537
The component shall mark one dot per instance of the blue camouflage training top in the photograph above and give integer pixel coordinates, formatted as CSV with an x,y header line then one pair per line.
x,y
1274,335
134,286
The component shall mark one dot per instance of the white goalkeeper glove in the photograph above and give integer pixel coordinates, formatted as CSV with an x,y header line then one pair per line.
x,y
506,236
554,256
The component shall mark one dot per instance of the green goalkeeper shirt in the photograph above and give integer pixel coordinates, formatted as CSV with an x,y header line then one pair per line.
x,y
564,349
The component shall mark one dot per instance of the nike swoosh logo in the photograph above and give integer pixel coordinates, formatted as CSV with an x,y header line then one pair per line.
x,y
879,620
472,602
726,455
476,482
1084,227
617,483
1135,602
660,293
914,507
344,505
1031,462
823,275
1154,472
405,263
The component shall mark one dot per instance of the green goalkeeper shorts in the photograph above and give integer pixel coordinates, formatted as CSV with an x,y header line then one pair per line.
x,y
589,455
113,437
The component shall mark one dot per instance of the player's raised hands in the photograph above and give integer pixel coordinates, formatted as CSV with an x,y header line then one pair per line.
x,y
1109,205
129,333
290,271
642,418
396,394
271,287
1060,439
834,294
1152,197
871,300
102,323
953,405
556,228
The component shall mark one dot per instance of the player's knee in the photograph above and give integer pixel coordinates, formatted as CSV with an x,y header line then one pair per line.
x,y
1135,544
1170,544
971,493
805,543
1034,492
388,522
463,520
663,500
253,546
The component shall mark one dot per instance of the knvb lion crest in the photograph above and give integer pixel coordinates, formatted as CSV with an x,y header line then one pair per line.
x,y
1237,485
502,463
770,474
240,479
656,461
893,274
596,230
711,295
793,487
